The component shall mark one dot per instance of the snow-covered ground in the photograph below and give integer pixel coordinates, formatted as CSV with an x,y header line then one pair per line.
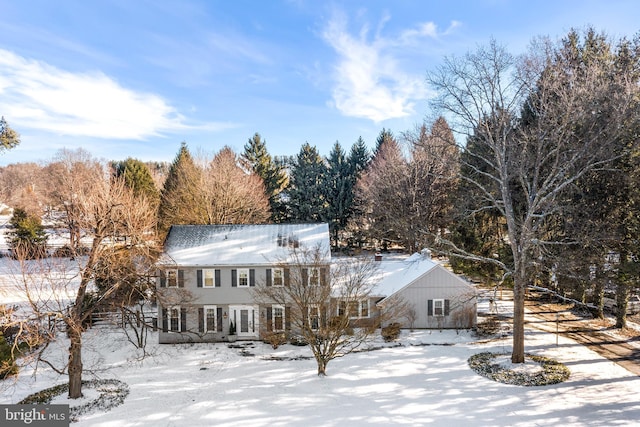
x,y
425,381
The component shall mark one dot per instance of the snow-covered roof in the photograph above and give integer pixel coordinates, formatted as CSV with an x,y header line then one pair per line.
x,y
395,273
253,244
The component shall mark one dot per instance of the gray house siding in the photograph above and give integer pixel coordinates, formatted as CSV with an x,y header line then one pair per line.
x,y
441,300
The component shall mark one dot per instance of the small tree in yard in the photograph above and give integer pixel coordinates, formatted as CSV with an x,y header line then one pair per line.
x,y
27,238
317,301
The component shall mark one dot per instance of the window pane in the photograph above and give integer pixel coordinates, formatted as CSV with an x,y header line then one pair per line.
x,y
172,278
243,277
211,319
438,307
174,315
278,318
364,308
277,277
314,277
208,278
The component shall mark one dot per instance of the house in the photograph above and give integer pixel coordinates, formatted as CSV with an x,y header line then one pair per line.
x,y
207,272
437,297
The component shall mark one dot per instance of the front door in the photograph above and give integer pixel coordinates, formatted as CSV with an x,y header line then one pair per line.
x,y
245,317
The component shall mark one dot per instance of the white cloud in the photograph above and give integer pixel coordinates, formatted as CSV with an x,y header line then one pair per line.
x,y
39,96
369,79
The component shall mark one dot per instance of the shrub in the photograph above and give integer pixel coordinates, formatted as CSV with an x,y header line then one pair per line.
x,y
391,332
298,340
276,339
8,365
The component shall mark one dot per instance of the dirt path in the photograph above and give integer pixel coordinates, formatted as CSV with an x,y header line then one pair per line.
x,y
622,347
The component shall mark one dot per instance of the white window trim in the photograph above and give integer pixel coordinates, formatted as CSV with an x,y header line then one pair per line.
x,y
168,280
205,273
347,308
240,272
441,301
311,272
273,317
169,318
316,309
273,276
215,318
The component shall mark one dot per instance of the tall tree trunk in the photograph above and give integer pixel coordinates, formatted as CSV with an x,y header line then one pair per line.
x,y
519,290
75,362
322,366
622,299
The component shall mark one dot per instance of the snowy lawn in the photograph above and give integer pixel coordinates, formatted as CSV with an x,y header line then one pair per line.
x,y
426,381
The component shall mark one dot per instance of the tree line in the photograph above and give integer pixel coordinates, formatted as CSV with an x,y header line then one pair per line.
x,y
528,174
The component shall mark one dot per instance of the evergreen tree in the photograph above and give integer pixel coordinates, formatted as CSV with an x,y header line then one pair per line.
x,y
274,176
27,238
137,176
9,138
339,192
306,192
182,200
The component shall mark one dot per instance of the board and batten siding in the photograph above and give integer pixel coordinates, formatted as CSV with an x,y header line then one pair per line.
x,y
439,283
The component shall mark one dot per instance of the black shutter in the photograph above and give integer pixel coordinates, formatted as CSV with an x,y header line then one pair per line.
x,y
183,320
219,319
269,319
181,278
305,276
430,307
199,275
234,278
446,307
163,279
252,277
286,277
324,276
201,319
269,279
165,322
218,281
287,319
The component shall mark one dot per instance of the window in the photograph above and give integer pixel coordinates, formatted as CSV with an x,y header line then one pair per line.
x,y
314,317
355,309
364,308
278,317
314,277
210,320
173,319
243,277
208,278
172,278
278,277
438,307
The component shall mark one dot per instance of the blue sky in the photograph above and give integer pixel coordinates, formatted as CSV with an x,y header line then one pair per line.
x,y
135,78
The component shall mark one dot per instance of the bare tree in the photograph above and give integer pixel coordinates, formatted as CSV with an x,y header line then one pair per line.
x,y
320,301
122,229
234,195
521,170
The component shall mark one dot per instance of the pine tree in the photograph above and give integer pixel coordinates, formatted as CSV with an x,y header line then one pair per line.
x,y
27,238
137,176
274,176
9,138
338,192
306,192
182,200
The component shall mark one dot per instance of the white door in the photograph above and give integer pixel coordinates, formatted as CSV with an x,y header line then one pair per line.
x,y
245,317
